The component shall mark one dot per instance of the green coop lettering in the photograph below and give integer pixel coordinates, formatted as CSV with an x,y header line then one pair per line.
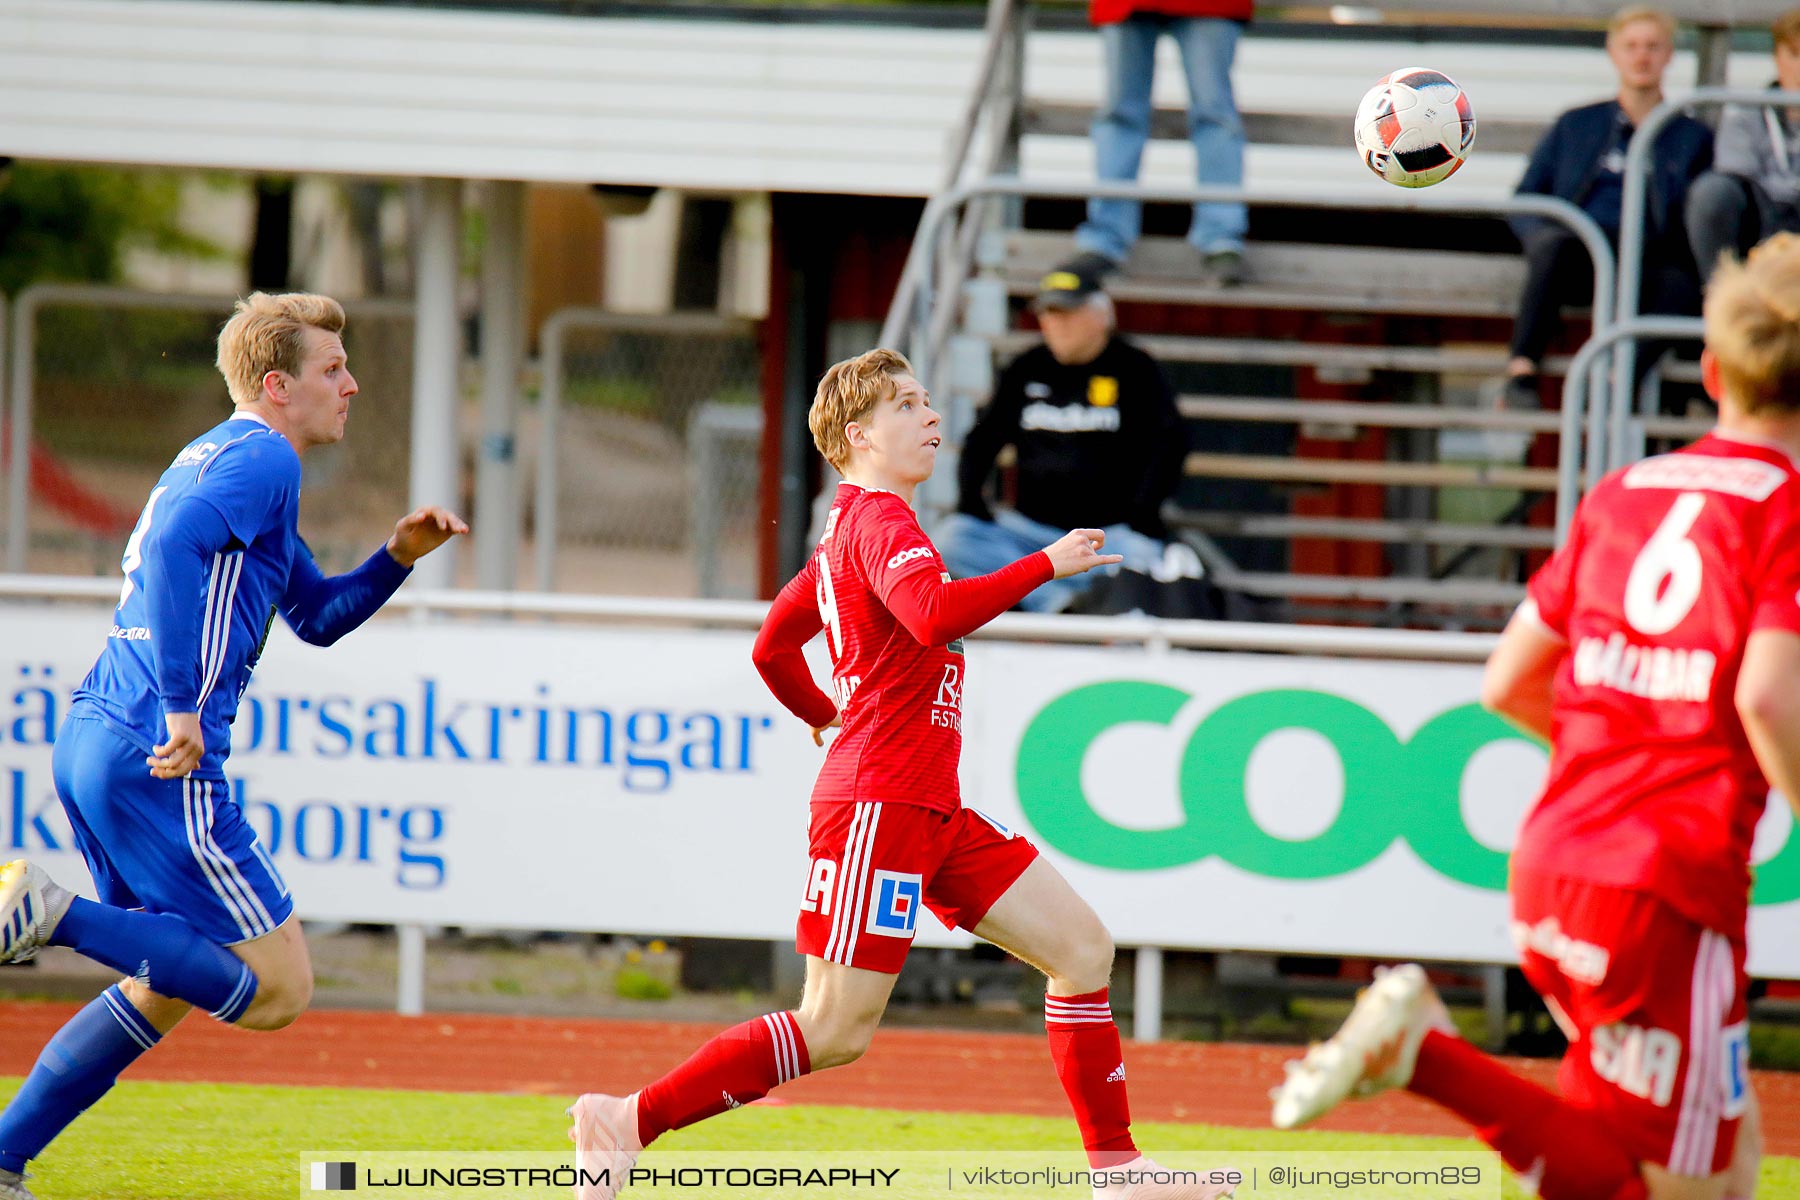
x,y
1394,789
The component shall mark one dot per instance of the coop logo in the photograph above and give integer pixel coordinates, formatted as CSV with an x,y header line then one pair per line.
x,y
1393,788
906,556
894,907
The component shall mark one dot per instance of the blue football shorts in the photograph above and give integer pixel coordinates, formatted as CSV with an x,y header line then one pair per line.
x,y
178,846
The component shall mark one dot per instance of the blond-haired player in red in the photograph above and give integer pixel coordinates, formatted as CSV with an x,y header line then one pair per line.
x,y
1659,654
889,833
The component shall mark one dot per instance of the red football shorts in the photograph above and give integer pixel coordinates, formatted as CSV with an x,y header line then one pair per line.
x,y
1654,1007
873,865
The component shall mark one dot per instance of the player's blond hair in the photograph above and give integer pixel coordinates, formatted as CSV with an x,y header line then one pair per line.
x,y
1786,28
849,392
267,332
1631,14
1753,325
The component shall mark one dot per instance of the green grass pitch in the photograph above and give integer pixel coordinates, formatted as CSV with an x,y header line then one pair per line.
x,y
171,1141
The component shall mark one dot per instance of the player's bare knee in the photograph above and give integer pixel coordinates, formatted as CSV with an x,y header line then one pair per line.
x,y
1665,1185
1089,963
279,1002
841,1039
163,1012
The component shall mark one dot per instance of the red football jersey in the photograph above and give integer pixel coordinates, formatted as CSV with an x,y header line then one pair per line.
x,y
901,702
1670,566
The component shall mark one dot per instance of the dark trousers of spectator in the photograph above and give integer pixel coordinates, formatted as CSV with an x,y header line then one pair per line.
x,y
1558,272
1729,214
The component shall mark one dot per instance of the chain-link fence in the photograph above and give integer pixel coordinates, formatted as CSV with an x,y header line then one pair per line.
x,y
652,467
113,383
648,459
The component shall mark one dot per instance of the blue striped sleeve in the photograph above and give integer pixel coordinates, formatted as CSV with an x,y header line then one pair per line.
x,y
184,560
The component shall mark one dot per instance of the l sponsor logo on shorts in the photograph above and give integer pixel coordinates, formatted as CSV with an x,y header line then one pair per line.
x,y
894,903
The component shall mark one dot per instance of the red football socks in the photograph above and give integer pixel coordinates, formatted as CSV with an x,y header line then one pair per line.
x,y
740,1065
1540,1135
1084,1043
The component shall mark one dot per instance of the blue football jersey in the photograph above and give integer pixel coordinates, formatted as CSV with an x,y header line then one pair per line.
x,y
205,569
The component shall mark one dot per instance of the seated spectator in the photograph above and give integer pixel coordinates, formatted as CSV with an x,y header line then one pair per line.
x,y
1098,440
1753,189
1582,159
1206,31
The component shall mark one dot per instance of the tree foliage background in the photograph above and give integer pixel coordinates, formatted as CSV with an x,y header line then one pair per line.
x,y
77,223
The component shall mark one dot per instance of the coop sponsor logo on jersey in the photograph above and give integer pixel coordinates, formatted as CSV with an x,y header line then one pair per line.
x,y
1743,477
1653,672
1394,789
1577,959
906,556
1069,418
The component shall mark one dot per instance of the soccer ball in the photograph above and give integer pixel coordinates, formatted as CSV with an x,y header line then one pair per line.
x,y
1415,127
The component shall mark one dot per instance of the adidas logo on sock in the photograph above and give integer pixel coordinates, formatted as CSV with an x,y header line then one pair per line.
x,y
1118,1075
730,1102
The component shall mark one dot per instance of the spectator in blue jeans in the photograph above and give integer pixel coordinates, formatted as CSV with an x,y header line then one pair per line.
x,y
1206,32
1098,439
1753,189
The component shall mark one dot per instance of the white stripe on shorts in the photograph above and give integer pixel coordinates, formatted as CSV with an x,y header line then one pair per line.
x,y
859,847
1702,1096
859,893
233,873
227,882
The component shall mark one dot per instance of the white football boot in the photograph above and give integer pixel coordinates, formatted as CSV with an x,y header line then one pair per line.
x,y
1149,1189
1373,1050
30,908
606,1139
12,1186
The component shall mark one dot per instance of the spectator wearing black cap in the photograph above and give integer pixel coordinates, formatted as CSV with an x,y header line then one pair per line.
x,y
1098,440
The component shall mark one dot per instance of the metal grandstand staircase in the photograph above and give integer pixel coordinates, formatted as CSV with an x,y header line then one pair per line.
x,y
1343,466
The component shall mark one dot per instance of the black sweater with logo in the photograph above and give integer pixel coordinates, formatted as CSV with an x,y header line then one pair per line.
x,y
1099,443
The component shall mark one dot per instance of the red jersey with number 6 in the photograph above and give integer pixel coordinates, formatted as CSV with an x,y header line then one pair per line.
x,y
901,702
1671,565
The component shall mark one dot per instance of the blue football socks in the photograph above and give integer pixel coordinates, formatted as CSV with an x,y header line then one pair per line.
x,y
78,1067
164,951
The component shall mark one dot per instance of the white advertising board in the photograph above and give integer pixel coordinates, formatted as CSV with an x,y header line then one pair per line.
x,y
561,777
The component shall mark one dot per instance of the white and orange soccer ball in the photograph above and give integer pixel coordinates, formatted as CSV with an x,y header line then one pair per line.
x,y
1415,127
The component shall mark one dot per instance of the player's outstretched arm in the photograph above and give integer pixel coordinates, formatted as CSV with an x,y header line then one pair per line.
x,y
321,608
792,622
1768,700
1522,671
937,613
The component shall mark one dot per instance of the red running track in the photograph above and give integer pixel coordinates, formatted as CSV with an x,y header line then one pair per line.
x,y
905,1069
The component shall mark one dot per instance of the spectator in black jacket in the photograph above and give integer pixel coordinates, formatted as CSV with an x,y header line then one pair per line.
x,y
1098,441
1753,189
1581,159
